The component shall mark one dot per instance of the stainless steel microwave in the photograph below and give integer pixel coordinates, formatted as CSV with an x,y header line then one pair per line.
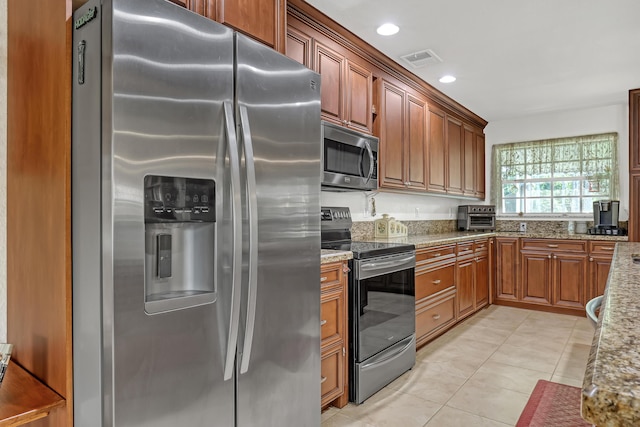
x,y
349,159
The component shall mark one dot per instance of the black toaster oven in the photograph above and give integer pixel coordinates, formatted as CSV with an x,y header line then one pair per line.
x,y
477,218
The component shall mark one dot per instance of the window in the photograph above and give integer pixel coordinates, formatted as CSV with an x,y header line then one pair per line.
x,y
558,176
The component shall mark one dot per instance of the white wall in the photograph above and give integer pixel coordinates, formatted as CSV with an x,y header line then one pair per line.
x,y
400,206
613,118
3,170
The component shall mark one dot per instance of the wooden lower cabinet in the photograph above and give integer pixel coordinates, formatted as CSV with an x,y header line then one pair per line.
x,y
550,274
452,282
333,334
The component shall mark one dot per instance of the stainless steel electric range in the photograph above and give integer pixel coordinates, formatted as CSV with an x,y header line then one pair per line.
x,y
382,343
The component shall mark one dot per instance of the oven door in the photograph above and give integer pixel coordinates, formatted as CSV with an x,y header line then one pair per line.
x,y
383,307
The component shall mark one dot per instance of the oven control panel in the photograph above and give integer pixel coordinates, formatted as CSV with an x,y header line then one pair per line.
x,y
335,214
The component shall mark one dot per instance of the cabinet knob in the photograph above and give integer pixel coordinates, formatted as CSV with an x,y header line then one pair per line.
x,y
436,316
549,256
346,269
436,282
555,256
437,255
590,259
322,379
323,279
323,322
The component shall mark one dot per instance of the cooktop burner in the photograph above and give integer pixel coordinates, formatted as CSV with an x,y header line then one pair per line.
x,y
336,234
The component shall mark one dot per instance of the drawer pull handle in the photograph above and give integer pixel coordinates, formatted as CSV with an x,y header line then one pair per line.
x,y
438,254
480,246
436,316
436,282
323,322
552,246
323,279
322,379
607,248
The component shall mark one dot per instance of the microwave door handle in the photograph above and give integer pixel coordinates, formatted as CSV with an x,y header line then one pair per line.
x,y
252,201
370,151
236,203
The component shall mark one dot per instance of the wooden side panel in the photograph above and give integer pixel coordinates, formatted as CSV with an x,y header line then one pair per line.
x,y
329,65
436,150
359,98
469,156
38,194
479,156
507,262
454,156
416,141
634,131
264,20
392,155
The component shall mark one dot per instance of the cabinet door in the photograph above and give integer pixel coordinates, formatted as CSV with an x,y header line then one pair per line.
x,y
201,7
464,285
264,20
536,277
416,138
482,281
436,150
469,154
391,158
455,153
358,100
299,46
330,66
480,165
331,374
599,267
506,280
570,280
332,319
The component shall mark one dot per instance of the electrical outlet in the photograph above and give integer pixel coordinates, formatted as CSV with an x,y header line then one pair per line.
x,y
523,227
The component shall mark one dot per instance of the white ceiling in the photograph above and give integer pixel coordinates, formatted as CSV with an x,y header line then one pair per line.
x,y
512,58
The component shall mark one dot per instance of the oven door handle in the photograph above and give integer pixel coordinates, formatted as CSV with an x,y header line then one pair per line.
x,y
400,348
366,269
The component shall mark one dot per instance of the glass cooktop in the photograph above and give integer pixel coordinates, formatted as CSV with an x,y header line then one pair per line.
x,y
363,250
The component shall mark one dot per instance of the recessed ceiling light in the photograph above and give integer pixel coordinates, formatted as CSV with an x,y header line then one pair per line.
x,y
387,29
447,79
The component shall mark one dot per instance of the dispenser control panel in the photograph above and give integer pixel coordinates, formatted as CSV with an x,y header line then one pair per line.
x,y
178,199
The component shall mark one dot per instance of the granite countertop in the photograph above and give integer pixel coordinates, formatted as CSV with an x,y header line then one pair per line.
x,y
611,387
328,256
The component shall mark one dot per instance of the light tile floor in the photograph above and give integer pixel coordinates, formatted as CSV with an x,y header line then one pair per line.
x,y
480,373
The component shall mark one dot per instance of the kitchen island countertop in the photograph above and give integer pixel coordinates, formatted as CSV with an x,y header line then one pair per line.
x,y
611,387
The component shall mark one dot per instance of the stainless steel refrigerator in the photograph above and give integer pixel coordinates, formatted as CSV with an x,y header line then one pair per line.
x,y
195,219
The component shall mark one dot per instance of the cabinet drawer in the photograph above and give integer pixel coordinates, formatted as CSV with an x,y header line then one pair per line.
x,y
331,374
465,248
601,247
435,254
331,318
555,245
429,282
430,317
481,245
330,274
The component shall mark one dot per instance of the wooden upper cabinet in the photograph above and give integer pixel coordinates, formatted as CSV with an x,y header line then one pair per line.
x,y
264,20
299,46
347,89
330,66
469,155
416,142
455,155
634,131
436,150
358,98
402,130
479,155
391,131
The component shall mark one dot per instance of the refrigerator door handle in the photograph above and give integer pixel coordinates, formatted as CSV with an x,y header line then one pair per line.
x,y
252,201
236,202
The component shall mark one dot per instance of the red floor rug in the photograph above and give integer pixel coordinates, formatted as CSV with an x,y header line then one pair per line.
x,y
552,405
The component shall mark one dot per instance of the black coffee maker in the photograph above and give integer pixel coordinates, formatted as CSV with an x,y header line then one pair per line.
x,y
605,218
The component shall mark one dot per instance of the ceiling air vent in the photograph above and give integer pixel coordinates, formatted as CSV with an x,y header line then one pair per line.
x,y
422,58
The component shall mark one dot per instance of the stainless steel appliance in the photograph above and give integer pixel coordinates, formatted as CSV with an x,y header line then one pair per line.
x,y
349,159
606,214
382,342
476,218
196,237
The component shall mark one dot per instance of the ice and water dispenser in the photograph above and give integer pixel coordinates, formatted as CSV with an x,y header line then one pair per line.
x,y
179,221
